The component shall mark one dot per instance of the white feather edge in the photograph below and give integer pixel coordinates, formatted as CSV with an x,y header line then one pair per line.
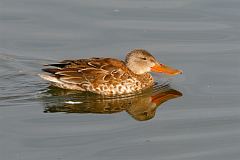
x,y
72,102
49,78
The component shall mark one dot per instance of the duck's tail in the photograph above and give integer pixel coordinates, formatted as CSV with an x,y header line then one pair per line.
x,y
49,78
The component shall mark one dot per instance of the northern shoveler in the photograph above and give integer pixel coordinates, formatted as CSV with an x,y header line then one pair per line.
x,y
107,76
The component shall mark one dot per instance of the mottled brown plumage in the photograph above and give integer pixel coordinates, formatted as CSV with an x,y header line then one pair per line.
x,y
105,76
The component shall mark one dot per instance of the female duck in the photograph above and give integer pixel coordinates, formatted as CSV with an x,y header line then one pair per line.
x,y
107,76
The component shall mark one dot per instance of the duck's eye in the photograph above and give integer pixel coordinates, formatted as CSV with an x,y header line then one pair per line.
x,y
143,58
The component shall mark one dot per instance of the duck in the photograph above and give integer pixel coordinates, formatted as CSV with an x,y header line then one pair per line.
x,y
107,76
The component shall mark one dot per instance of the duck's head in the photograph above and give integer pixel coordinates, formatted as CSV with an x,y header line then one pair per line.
x,y
140,61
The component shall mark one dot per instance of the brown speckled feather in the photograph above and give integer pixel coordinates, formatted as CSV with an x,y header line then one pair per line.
x,y
99,75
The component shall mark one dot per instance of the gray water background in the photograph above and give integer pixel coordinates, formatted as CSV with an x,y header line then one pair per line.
x,y
201,37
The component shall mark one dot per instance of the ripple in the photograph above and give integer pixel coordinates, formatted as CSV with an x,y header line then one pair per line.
x,y
18,80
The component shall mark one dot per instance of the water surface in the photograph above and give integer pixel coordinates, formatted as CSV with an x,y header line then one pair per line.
x,y
201,37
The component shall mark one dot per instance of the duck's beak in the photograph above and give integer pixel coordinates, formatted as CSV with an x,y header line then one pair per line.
x,y
165,69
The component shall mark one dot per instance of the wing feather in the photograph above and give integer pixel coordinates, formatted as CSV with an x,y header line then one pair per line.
x,y
93,71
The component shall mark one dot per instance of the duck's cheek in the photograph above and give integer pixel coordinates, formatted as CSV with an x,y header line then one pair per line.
x,y
149,69
145,69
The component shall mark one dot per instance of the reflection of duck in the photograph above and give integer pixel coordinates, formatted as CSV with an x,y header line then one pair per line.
x,y
107,76
141,107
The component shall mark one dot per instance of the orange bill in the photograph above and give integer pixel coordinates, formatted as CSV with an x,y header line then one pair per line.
x,y
165,69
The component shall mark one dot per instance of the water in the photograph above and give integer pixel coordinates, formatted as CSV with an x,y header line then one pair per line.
x,y
199,120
